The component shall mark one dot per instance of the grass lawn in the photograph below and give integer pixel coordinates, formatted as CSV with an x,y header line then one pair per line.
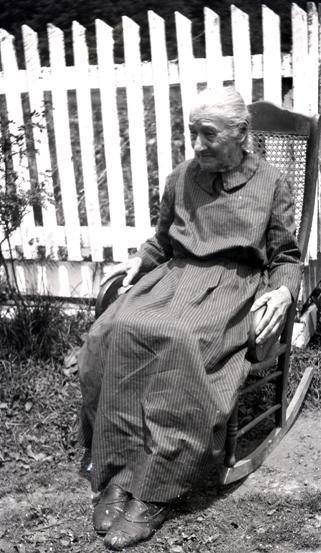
x,y
45,504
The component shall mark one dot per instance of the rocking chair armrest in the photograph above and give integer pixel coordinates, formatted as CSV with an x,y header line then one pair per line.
x,y
109,291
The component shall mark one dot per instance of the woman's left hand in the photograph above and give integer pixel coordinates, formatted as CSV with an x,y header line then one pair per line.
x,y
277,303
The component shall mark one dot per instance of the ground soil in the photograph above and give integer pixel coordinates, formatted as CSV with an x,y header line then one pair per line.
x,y
45,506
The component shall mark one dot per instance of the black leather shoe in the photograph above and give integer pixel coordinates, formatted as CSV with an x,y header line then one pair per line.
x,y
110,506
139,522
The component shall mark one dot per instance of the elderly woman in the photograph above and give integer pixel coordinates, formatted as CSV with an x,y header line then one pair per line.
x,y
161,367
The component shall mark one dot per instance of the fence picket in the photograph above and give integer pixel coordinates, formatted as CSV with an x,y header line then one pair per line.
x,y
186,73
115,181
242,53
86,136
136,125
3,242
300,59
213,48
161,97
36,99
313,69
86,290
63,279
272,71
21,278
63,142
319,111
319,60
42,280
313,52
15,125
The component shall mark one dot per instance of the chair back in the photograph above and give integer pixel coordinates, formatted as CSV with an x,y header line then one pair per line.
x,y
290,142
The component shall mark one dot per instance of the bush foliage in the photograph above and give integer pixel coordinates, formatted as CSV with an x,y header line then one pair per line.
x,y
41,329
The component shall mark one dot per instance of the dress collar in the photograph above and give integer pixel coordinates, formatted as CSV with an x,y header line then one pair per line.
x,y
230,179
241,174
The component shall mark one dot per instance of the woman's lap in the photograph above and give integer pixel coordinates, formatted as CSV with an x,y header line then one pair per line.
x,y
178,338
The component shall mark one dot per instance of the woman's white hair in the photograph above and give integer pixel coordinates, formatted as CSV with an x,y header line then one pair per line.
x,y
226,101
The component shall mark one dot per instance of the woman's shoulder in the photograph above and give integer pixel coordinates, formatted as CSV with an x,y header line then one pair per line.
x,y
184,170
267,167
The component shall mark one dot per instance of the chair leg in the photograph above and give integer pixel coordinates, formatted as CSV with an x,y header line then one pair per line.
x,y
231,438
283,365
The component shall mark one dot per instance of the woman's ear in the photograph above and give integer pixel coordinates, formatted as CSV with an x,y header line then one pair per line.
x,y
243,132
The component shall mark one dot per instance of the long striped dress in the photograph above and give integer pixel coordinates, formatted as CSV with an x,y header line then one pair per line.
x,y
161,367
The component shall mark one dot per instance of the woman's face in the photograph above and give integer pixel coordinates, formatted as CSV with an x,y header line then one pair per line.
x,y
216,145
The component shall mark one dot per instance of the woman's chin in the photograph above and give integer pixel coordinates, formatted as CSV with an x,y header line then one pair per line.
x,y
208,164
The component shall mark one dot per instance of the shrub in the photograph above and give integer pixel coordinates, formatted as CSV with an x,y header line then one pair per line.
x,y
41,329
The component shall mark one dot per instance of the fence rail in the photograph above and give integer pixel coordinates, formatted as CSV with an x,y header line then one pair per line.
x,y
106,176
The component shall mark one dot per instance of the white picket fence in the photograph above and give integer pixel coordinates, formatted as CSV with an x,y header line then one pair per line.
x,y
75,276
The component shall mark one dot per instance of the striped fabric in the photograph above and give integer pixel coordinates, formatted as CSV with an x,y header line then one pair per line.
x,y
161,367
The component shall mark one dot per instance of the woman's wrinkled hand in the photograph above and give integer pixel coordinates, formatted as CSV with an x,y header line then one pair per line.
x,y
131,267
277,303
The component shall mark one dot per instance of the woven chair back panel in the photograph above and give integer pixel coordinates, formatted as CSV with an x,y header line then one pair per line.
x,y
288,154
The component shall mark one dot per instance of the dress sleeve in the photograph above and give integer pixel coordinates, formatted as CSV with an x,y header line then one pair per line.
x,y
284,265
158,249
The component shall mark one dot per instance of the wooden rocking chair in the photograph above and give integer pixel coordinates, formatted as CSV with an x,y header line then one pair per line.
x,y
289,141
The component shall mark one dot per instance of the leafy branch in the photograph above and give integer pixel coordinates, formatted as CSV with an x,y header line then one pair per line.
x,y
17,194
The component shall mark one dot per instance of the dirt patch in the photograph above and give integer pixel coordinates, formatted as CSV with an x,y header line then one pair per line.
x,y
46,506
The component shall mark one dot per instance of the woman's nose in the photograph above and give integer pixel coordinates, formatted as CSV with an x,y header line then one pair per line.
x,y
198,144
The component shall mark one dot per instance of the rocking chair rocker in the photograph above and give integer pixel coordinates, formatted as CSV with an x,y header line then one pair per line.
x,y
289,141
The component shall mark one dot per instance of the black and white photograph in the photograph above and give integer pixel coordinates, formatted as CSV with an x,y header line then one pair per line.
x,y
160,276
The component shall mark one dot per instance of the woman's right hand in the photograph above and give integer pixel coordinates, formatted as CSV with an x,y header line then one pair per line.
x,y
130,266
